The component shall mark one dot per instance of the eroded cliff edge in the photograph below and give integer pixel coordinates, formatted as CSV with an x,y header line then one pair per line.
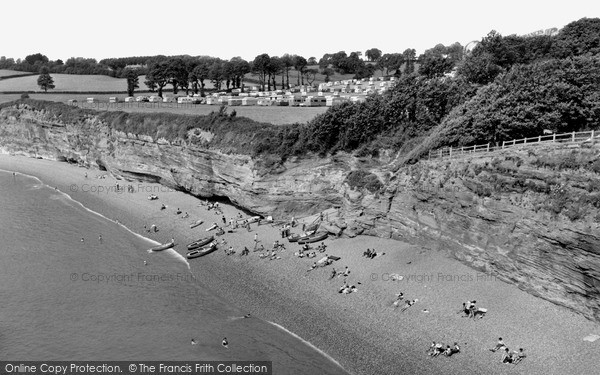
x,y
529,216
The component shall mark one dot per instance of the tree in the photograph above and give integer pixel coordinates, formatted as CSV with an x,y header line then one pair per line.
x,y
409,56
391,62
216,73
312,60
200,73
45,81
260,66
158,75
241,67
300,64
275,67
36,58
578,38
132,80
311,75
288,62
327,72
373,54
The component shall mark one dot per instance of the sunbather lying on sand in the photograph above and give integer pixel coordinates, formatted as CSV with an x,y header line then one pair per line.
x,y
518,356
408,304
437,349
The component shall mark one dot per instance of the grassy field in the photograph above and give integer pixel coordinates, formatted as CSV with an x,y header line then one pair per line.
x,y
72,82
6,72
272,115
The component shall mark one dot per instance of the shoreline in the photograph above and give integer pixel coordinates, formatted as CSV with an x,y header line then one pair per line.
x,y
360,330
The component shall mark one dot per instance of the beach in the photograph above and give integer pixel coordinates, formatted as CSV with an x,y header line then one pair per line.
x,y
362,331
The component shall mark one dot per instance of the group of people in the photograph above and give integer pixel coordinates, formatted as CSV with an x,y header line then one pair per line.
x,y
370,253
470,310
438,348
509,357
346,289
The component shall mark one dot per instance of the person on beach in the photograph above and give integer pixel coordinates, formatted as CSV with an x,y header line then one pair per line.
x,y
193,342
470,306
518,356
225,343
408,304
456,348
224,220
163,207
172,239
333,274
82,240
312,267
346,272
431,348
448,351
499,345
145,263
85,174
506,356
437,349
178,211
399,297
246,251
100,238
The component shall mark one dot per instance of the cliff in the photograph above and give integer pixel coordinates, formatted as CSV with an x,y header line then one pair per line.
x,y
528,216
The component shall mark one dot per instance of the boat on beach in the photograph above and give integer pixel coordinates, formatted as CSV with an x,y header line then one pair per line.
x,y
202,251
296,237
164,246
312,238
196,223
249,220
199,243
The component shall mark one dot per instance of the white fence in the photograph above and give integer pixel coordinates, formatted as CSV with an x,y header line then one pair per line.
x,y
574,137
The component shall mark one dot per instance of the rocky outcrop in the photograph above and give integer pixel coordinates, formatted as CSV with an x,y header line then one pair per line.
x,y
528,216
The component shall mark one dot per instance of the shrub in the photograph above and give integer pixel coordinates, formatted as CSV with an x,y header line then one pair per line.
x,y
24,95
360,179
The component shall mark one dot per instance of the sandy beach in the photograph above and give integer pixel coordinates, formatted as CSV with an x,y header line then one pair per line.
x,y
361,330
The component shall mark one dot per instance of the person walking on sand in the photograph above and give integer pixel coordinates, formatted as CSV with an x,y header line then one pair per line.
x,y
499,345
225,343
100,238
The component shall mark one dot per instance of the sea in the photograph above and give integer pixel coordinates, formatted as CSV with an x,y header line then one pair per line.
x,y
75,285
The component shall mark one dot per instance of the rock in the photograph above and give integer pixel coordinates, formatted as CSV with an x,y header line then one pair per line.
x,y
529,217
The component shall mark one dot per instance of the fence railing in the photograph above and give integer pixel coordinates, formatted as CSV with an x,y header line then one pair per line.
x,y
573,137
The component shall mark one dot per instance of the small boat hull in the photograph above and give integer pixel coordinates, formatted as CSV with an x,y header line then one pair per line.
x,y
199,243
313,238
195,224
202,251
164,246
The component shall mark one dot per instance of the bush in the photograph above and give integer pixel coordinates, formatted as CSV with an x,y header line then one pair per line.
x,y
360,179
24,95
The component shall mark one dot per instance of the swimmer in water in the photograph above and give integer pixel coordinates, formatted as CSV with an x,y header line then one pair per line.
x,y
247,315
225,343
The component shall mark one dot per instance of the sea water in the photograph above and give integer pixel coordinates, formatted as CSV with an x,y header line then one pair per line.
x,y
75,285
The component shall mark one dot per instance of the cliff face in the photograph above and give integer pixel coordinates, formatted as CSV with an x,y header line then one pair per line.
x,y
528,216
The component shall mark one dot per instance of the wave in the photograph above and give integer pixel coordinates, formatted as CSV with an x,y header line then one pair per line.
x,y
308,343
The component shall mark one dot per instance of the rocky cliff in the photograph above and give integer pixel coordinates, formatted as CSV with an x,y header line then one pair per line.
x,y
529,216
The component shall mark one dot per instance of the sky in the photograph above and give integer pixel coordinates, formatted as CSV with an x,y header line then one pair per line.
x,y
100,29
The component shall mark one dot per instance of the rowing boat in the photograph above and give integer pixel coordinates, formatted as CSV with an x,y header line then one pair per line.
x,y
196,223
313,238
199,243
202,251
164,246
